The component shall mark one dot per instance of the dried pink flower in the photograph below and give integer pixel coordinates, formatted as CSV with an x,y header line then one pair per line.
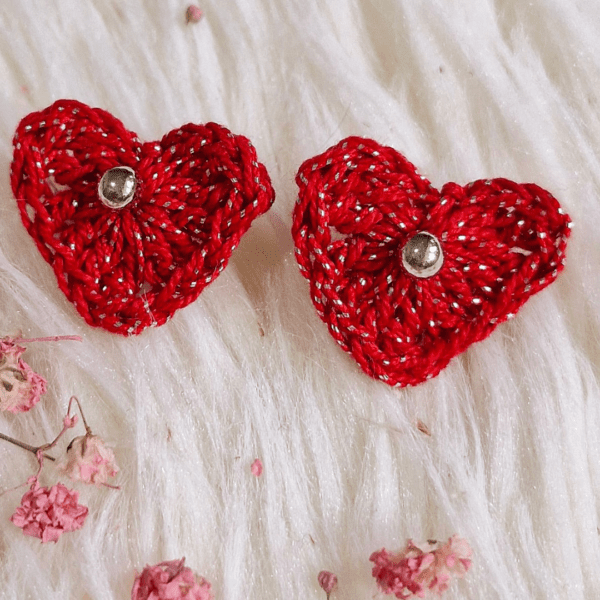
x,y
170,580
401,574
20,386
328,581
193,14
47,513
89,460
453,559
256,468
415,572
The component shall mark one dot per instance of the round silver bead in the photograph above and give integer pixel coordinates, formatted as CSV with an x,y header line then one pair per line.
x,y
117,187
422,256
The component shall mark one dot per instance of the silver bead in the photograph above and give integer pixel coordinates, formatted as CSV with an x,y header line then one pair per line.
x,y
117,187
422,256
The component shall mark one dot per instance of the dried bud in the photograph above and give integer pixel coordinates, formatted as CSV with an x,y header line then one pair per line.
x,y
328,581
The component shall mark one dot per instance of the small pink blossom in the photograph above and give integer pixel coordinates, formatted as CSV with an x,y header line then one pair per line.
x,y
453,559
401,574
256,468
170,580
89,460
328,581
20,386
193,14
415,572
47,513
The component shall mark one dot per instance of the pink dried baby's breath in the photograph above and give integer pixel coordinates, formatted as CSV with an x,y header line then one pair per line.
x,y
88,459
47,513
170,580
453,559
20,386
401,574
415,572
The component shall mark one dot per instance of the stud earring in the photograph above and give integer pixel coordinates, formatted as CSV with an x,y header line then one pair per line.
x,y
133,231
405,276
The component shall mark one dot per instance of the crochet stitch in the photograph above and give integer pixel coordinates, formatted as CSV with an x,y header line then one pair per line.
x,y
359,205
198,191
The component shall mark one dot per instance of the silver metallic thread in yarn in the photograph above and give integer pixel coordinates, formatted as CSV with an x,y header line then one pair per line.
x,y
422,255
117,187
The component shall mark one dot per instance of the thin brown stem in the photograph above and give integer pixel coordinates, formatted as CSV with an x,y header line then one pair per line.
x,y
54,338
87,427
24,445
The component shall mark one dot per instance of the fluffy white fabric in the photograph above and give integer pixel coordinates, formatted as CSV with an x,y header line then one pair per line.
x,y
466,89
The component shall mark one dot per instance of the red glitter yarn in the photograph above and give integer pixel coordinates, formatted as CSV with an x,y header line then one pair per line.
x,y
198,191
360,203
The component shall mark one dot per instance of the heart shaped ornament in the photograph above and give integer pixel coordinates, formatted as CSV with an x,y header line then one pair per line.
x,y
134,231
407,277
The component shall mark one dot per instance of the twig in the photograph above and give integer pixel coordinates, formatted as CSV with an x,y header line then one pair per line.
x,y
24,446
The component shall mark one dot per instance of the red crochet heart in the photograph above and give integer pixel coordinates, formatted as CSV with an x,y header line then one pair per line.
x,y
359,205
198,191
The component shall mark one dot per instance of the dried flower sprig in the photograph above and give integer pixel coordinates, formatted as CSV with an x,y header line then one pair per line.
x,y
170,580
416,572
23,445
20,386
87,459
69,421
47,513
39,451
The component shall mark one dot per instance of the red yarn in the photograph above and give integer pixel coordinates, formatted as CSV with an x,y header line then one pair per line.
x,y
361,202
199,189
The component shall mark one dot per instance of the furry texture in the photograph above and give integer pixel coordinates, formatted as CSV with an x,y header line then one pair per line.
x,y
467,89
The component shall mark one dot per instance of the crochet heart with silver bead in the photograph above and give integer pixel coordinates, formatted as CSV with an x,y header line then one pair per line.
x,y
405,276
133,231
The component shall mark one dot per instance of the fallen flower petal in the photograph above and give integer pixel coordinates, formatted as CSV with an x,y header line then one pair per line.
x,y
193,14
47,513
256,468
88,459
170,580
328,581
20,386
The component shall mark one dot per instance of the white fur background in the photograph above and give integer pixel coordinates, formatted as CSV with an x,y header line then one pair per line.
x,y
466,89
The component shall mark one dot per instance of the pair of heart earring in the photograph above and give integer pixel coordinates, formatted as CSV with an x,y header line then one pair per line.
x,y
405,276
